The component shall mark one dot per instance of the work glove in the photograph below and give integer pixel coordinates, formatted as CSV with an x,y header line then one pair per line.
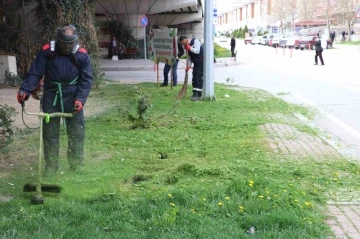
x,y
22,97
187,69
187,47
77,106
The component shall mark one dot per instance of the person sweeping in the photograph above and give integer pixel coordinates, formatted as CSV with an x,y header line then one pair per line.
x,y
195,53
68,77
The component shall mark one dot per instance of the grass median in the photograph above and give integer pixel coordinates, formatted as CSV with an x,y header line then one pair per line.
x,y
194,170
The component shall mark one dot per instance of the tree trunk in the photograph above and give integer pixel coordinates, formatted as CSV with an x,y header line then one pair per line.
x,y
349,32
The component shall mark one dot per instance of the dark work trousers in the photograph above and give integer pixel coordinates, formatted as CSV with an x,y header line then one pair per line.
x,y
167,68
197,80
75,129
319,53
232,51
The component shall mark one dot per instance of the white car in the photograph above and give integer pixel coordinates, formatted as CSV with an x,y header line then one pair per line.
x,y
264,40
223,39
292,41
256,40
275,42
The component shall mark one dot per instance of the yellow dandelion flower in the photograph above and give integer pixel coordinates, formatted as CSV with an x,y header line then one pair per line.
x,y
296,200
241,208
261,196
251,182
284,191
251,185
291,184
337,174
227,198
308,204
172,204
220,203
204,199
169,195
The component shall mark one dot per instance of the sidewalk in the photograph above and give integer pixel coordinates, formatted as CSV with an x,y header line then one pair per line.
x,y
343,211
140,64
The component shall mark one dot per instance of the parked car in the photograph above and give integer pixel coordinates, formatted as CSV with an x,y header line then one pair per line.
x,y
223,39
275,42
268,40
306,42
256,40
264,40
292,41
283,41
248,40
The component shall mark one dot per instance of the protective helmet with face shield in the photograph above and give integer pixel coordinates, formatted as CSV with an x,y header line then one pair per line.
x,y
67,40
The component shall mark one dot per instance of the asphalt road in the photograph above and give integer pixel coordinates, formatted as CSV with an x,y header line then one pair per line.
x,y
332,89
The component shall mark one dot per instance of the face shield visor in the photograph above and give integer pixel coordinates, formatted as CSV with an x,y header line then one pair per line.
x,y
67,39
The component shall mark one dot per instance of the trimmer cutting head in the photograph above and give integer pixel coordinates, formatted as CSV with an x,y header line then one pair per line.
x,y
50,188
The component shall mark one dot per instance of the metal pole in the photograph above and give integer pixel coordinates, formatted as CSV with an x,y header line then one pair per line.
x,y
208,85
145,44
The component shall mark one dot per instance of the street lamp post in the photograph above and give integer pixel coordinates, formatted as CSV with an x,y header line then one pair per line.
x,y
208,85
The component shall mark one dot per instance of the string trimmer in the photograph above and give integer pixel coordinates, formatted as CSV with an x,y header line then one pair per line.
x,y
39,187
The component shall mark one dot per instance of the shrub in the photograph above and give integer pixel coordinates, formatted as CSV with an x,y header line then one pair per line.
x,y
6,119
11,79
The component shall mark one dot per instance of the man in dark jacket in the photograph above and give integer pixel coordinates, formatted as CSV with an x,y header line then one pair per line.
x,y
167,67
318,50
195,52
67,81
232,44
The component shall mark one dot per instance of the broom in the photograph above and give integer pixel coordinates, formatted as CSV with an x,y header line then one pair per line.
x,y
183,89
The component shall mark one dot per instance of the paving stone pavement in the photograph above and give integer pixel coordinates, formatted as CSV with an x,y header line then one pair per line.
x,y
284,139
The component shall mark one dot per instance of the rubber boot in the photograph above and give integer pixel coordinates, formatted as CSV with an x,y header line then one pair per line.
x,y
196,96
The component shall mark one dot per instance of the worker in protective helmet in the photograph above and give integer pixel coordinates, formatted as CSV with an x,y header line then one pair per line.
x,y
67,81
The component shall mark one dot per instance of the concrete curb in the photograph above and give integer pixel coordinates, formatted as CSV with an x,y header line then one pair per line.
x,y
151,67
326,137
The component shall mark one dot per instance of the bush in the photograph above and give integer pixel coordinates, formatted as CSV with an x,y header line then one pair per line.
x,y
220,51
11,79
140,116
6,119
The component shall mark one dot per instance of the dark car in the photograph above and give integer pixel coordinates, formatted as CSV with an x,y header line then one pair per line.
x,y
306,42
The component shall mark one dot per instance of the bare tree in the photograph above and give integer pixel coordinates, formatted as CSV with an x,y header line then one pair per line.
x,y
307,9
329,8
293,11
280,12
346,9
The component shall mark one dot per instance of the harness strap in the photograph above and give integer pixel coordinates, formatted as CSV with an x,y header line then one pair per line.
x,y
59,91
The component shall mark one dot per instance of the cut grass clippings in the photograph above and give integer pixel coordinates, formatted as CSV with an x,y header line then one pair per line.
x,y
201,170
